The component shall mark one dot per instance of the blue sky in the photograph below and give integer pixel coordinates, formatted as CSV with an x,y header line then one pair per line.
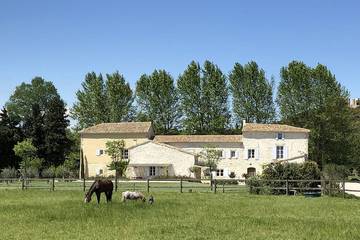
x,y
63,40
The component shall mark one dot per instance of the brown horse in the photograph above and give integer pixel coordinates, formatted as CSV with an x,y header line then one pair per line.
x,y
99,186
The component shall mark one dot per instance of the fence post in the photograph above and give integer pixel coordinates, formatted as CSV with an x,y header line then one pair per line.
x,y
287,187
181,185
22,183
84,185
148,185
343,188
53,183
223,187
215,186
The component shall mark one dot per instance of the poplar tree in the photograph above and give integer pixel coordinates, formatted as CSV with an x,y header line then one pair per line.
x,y
157,100
312,98
90,107
119,98
252,94
203,99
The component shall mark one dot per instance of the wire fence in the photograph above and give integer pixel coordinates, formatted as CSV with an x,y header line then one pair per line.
x,y
273,186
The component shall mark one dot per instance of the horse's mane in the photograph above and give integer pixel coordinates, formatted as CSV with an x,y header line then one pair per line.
x,y
92,187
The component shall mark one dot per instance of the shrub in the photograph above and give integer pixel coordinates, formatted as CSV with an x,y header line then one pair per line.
x,y
227,182
49,172
232,175
9,173
254,184
30,172
287,171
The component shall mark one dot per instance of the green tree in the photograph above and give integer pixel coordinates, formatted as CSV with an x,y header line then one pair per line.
x,y
115,149
204,99
26,95
90,107
157,99
119,97
10,134
252,94
27,152
312,98
55,125
102,101
34,129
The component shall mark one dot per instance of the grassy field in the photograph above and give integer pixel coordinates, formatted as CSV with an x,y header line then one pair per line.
x,y
41,214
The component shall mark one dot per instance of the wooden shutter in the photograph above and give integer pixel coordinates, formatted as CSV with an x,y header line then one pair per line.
x,y
245,153
286,152
97,152
257,154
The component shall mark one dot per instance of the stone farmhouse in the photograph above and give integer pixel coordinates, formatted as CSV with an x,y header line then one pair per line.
x,y
181,155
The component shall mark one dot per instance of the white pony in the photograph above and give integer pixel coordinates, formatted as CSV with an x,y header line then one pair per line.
x,y
132,196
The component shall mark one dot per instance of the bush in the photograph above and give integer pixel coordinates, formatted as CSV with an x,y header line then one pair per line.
x,y
30,172
227,182
9,173
232,175
48,172
286,171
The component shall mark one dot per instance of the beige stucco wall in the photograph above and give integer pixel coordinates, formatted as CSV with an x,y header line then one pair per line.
x,y
91,142
177,162
296,144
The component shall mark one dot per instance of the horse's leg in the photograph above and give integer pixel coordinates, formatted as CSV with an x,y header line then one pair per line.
x,y
110,195
98,197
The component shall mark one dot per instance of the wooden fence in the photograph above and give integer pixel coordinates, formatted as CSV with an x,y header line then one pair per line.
x,y
275,186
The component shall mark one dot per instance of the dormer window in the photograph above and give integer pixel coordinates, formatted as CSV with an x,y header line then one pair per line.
x,y
279,136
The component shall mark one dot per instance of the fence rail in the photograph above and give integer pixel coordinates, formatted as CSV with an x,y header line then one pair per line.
x,y
278,186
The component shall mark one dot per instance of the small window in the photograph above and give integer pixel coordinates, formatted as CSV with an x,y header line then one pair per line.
x,y
101,152
221,153
125,154
220,172
232,154
279,152
152,171
251,153
279,136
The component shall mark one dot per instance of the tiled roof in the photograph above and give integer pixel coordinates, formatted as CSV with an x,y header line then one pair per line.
x,y
197,138
121,127
256,127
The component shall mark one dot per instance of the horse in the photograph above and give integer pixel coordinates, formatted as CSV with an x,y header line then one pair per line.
x,y
99,186
132,196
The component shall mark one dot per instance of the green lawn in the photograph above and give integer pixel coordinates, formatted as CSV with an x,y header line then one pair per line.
x,y
41,214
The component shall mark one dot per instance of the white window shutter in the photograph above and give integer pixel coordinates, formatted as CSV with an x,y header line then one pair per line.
x,y
274,152
257,154
286,152
226,173
276,136
283,135
236,153
245,153
97,152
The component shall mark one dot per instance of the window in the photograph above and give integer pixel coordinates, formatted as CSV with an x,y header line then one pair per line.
x,y
251,153
221,153
279,136
279,152
220,172
232,154
99,152
125,154
152,171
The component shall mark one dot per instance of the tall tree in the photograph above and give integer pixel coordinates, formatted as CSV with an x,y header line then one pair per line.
x,y
157,99
55,125
312,98
204,99
10,134
119,97
90,108
34,130
252,94
26,95
102,101
190,92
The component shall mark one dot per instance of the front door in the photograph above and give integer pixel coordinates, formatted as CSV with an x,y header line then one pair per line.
x,y
251,171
